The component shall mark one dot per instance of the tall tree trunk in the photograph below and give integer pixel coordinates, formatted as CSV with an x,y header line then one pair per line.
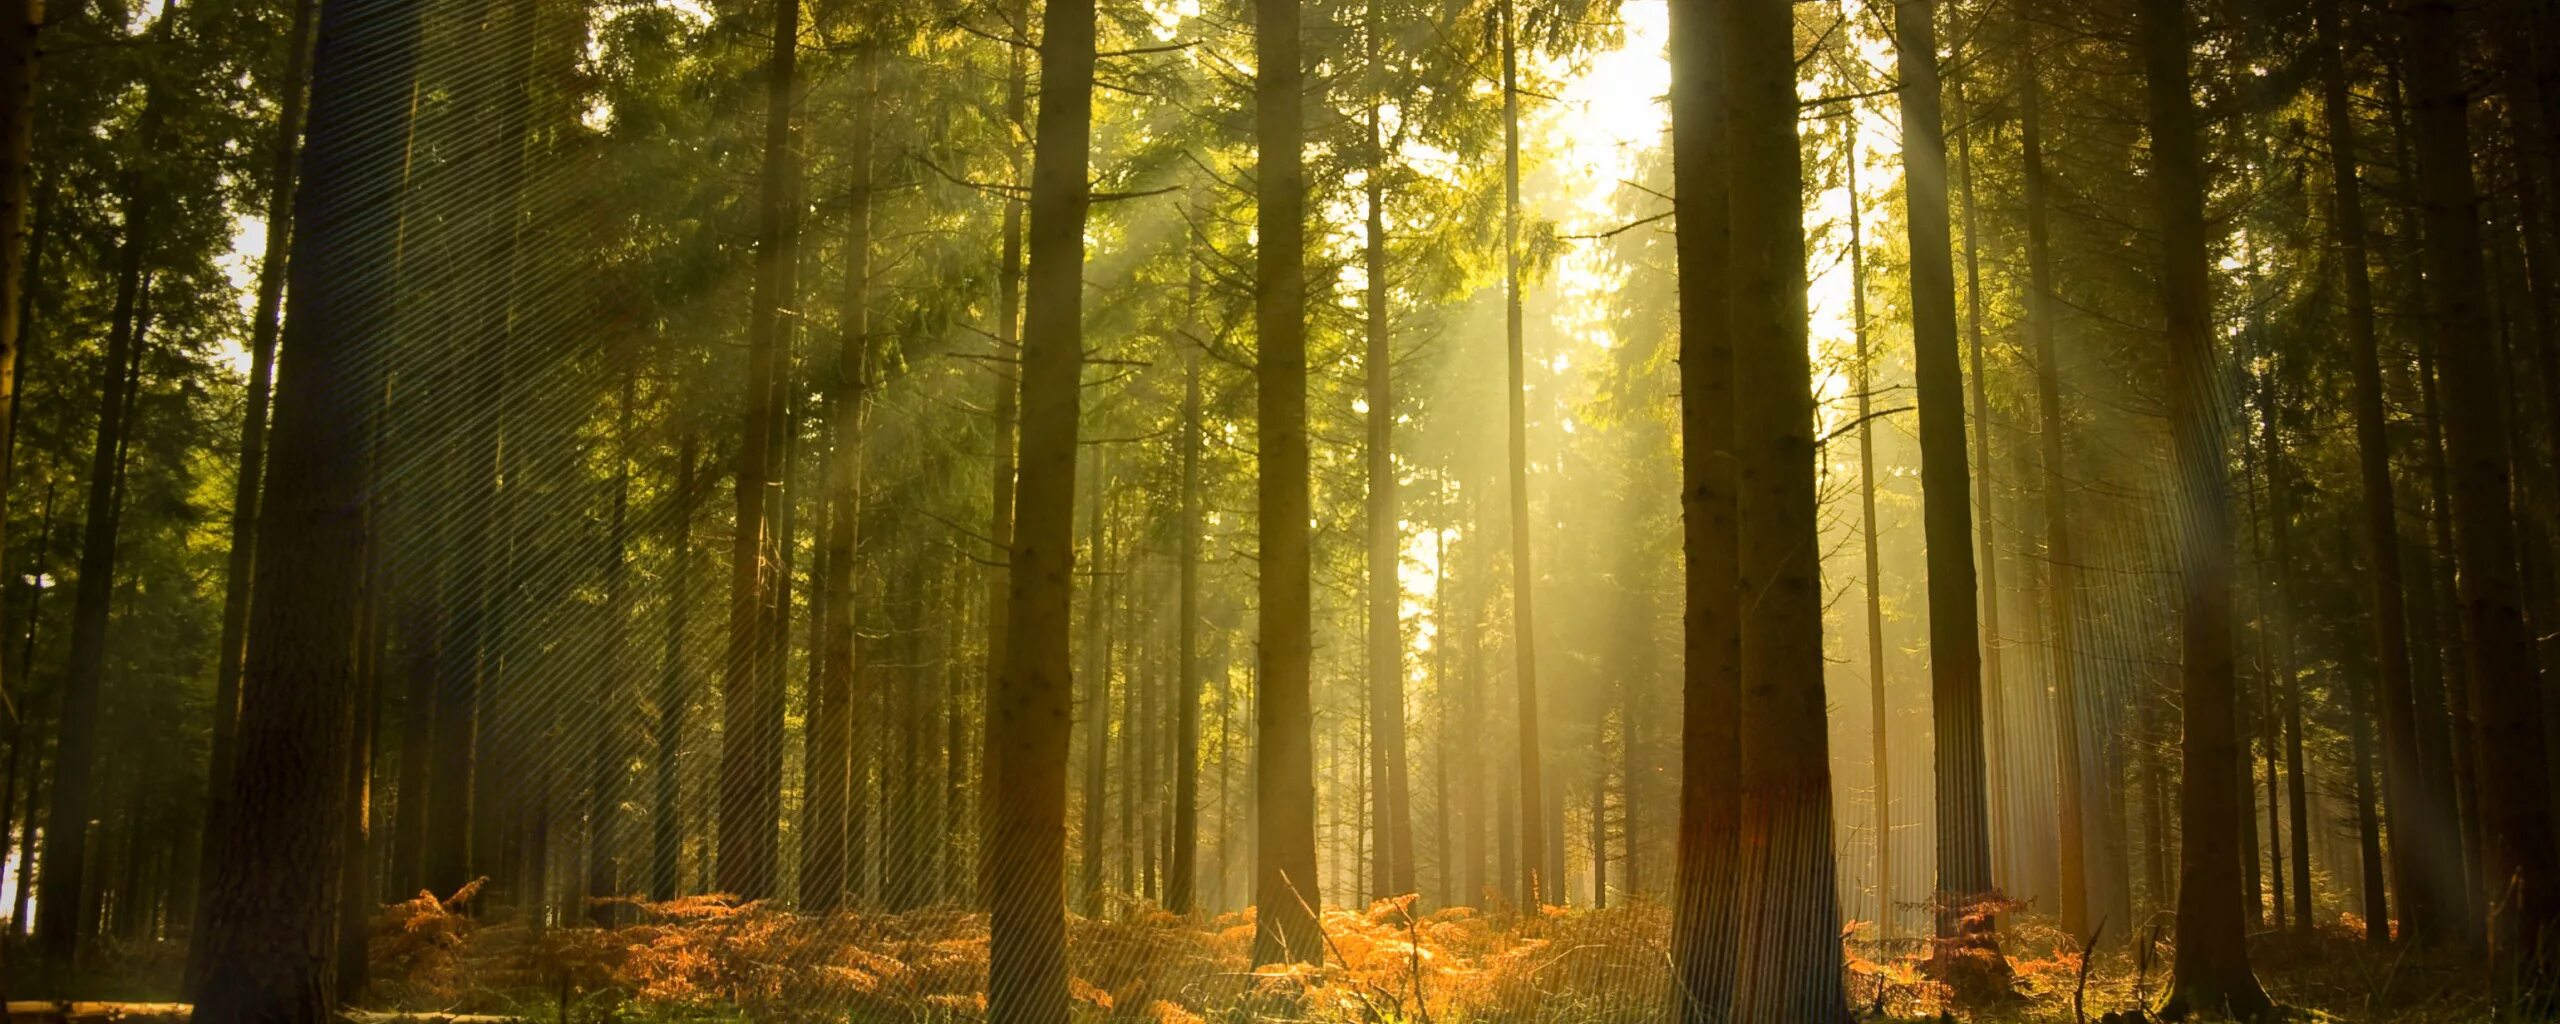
x,y
751,750
675,682
1181,876
1028,721
1706,912
1007,410
266,955
2062,583
824,878
1955,638
1791,931
61,931
1390,789
2211,973
2516,851
2419,810
1524,622
1097,696
2276,618
265,323
1285,893
1994,713
1879,763
615,694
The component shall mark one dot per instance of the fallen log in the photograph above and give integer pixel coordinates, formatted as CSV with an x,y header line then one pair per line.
x,y
48,1011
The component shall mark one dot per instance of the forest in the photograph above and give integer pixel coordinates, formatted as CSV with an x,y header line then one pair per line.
x,y
1378,511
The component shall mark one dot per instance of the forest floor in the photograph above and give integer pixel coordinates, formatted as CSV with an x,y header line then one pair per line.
x,y
703,961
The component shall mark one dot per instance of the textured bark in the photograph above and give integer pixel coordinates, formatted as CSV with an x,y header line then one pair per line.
x,y
1706,915
267,952
1285,893
2211,973
1790,939
751,749
1029,717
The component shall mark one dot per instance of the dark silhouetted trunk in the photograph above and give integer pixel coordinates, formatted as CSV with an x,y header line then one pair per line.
x,y
2211,973
675,682
266,954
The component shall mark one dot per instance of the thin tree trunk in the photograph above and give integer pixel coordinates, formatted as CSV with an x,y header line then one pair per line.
x,y
1007,411
1390,789
751,753
1524,628
1880,820
824,878
675,683
1955,639
59,934
615,694
1995,747
1097,697
1182,874
1285,892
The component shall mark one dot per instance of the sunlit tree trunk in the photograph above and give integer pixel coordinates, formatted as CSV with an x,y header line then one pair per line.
x,y
2211,972
1955,638
1523,608
1790,937
1097,696
1995,748
1030,712
266,952
1879,763
1284,760
1706,916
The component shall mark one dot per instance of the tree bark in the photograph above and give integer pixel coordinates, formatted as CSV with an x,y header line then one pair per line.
x,y
675,682
1029,718
2211,973
1285,892
1879,763
266,955
1791,918
1706,915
